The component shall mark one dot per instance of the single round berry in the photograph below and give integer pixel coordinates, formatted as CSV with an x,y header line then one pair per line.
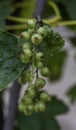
x,y
45,72
44,96
30,23
25,35
42,31
40,83
36,39
21,81
30,108
21,107
28,100
24,58
26,45
30,31
26,112
39,65
39,106
31,92
39,56
27,53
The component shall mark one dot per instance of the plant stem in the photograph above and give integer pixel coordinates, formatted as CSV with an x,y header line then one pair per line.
x,y
16,27
16,19
55,8
22,4
66,23
1,112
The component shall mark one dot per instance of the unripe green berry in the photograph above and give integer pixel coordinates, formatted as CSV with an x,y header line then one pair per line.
x,y
30,23
30,31
40,83
39,56
30,108
39,65
27,52
45,72
42,31
24,58
25,35
28,100
36,39
21,81
44,96
21,107
26,112
26,45
31,92
39,106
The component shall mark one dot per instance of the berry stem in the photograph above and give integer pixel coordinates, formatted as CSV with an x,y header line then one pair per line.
x,y
37,73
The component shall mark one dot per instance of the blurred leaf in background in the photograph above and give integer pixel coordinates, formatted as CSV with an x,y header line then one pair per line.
x,y
55,64
68,10
5,10
72,93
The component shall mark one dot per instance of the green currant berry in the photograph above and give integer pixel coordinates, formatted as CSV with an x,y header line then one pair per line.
x,y
27,75
39,106
28,100
44,96
21,81
36,39
42,31
30,108
30,31
26,112
25,35
39,56
21,107
31,23
40,83
45,71
49,99
27,52
31,92
26,46
39,65
24,58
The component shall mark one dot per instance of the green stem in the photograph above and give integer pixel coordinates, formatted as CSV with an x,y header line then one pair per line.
x,y
67,23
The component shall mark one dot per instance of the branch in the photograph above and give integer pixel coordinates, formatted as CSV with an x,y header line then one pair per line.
x,y
14,95
13,100
40,5
1,112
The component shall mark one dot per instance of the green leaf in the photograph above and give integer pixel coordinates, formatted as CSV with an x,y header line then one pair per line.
x,y
5,10
28,122
53,42
72,93
50,124
10,65
36,122
54,63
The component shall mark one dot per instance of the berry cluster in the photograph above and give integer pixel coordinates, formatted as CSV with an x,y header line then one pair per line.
x,y
34,98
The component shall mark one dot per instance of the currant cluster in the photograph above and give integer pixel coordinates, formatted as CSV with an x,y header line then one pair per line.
x,y
34,98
